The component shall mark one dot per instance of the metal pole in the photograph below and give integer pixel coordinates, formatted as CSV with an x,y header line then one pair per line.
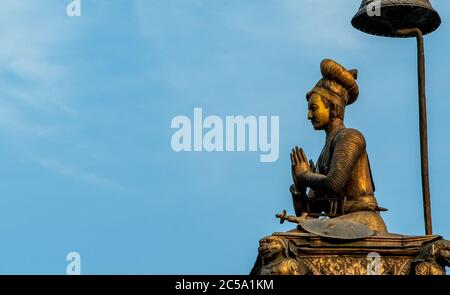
x,y
423,127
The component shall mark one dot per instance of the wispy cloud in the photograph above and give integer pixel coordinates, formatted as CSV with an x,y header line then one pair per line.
x,y
182,20
13,122
35,90
31,82
67,170
223,39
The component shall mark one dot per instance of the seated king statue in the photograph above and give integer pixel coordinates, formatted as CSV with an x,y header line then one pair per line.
x,y
340,186
339,226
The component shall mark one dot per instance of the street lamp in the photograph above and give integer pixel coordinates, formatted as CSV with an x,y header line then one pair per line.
x,y
402,19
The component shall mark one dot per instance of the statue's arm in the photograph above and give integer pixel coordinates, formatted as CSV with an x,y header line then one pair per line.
x,y
298,199
349,145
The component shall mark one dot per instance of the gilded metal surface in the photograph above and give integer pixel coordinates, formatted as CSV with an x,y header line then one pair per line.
x,y
397,255
341,186
371,219
273,253
346,227
354,265
394,15
341,181
432,258
337,229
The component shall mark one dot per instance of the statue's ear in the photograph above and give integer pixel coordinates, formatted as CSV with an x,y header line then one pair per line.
x,y
333,110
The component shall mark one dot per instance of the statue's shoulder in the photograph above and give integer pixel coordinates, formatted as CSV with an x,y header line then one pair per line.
x,y
351,135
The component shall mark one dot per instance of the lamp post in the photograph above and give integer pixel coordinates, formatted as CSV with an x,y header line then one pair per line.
x,y
402,19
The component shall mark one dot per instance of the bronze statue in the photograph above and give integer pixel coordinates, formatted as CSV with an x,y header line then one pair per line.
x,y
275,258
341,182
432,259
340,230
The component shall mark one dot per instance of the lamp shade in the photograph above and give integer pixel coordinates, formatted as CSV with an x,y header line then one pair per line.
x,y
385,17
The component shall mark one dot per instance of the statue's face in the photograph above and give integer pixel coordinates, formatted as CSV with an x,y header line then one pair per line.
x,y
318,112
270,248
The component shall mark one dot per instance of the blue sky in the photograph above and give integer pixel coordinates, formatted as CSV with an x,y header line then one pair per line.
x,y
86,105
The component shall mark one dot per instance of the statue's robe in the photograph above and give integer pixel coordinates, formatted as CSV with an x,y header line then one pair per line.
x,y
343,171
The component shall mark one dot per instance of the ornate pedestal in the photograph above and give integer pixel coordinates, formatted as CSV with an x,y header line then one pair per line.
x,y
295,252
